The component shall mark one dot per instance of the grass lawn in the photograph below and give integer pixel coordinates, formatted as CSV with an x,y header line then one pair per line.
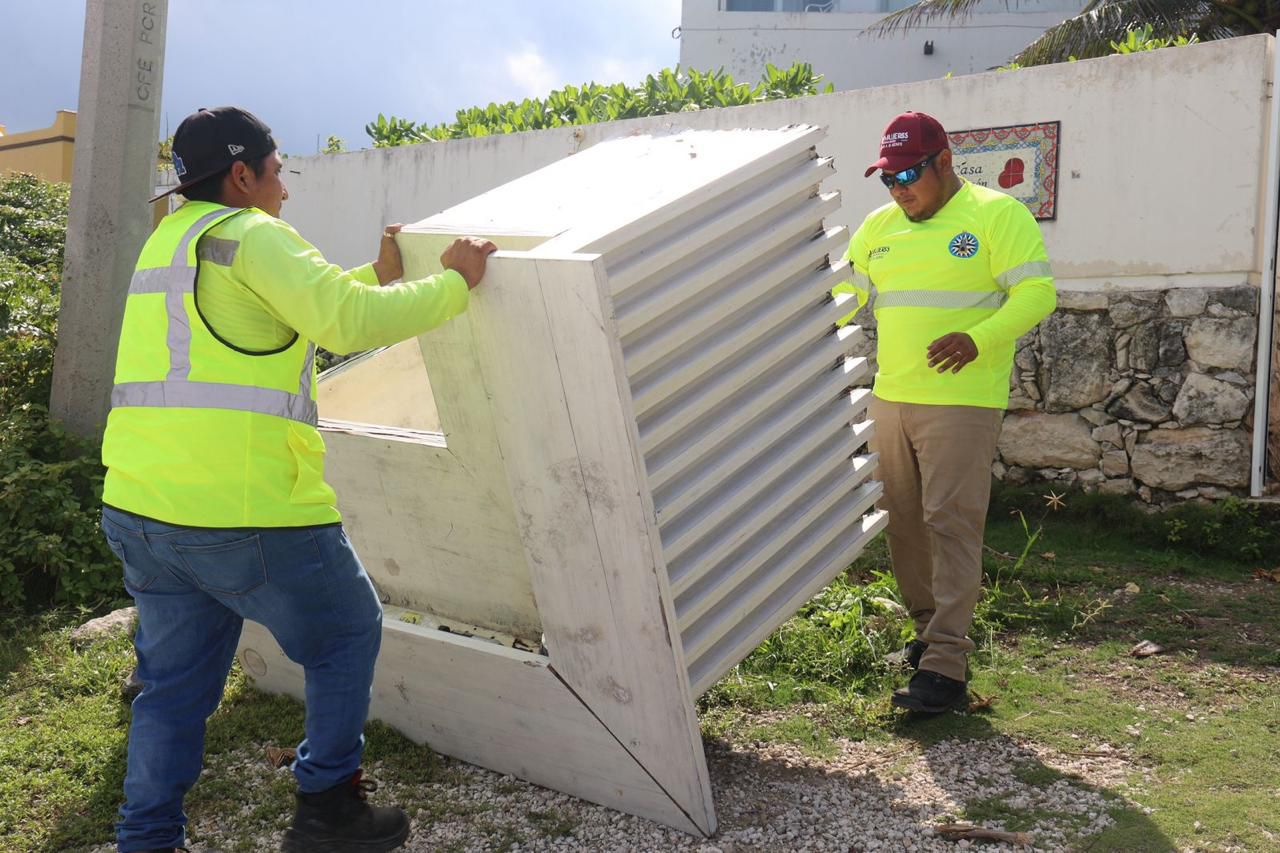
x,y
1189,738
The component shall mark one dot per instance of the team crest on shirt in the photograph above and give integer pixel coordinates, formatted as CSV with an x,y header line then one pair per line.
x,y
963,245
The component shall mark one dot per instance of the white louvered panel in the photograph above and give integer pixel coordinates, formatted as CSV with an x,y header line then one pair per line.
x,y
744,594
716,543
743,392
691,536
721,220
739,334
727,442
752,245
721,391
618,234
654,385
695,598
661,341
747,629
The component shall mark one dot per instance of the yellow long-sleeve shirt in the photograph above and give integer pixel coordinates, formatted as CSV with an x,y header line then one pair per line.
x,y
279,284
977,266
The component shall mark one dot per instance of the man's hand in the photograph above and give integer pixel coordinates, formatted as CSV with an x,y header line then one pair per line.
x,y
468,256
952,352
389,267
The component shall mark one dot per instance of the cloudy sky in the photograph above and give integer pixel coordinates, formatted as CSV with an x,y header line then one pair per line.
x,y
312,68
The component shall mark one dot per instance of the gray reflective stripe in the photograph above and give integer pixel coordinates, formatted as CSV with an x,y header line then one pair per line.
x,y
308,366
162,280
178,338
862,280
177,390
216,395
179,277
180,254
938,299
217,250
1031,269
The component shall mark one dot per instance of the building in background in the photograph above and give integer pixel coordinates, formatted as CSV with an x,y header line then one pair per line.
x,y
49,154
45,153
741,36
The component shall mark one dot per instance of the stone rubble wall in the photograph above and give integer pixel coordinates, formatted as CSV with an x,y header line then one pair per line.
x,y
1133,392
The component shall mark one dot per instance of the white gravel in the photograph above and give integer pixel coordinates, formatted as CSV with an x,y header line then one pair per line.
x,y
769,797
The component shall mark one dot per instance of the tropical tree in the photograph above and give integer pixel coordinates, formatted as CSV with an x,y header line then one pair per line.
x,y
1102,22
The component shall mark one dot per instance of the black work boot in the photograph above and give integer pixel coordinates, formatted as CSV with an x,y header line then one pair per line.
x,y
932,693
908,655
340,821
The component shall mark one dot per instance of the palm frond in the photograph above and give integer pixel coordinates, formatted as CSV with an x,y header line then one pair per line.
x,y
927,10
1090,33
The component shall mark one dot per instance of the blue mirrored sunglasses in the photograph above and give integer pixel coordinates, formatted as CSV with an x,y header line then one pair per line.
x,y
906,177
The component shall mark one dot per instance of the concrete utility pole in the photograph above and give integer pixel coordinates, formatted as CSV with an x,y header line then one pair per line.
x,y
115,169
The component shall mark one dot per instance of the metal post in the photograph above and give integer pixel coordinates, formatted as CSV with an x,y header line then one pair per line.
x,y
1266,305
118,130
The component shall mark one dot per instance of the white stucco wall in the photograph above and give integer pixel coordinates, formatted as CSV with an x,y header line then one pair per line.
x,y
839,46
1161,166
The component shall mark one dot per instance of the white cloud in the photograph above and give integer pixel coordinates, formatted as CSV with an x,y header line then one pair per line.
x,y
531,72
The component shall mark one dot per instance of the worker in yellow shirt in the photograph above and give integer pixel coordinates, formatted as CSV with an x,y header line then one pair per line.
x,y
215,499
959,272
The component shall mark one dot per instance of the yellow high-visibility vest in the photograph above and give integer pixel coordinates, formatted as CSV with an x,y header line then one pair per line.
x,y
976,266
201,433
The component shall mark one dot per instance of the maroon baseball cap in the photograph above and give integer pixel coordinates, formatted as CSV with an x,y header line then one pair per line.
x,y
908,139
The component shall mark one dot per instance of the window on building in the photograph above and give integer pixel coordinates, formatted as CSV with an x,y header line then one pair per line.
x,y
781,5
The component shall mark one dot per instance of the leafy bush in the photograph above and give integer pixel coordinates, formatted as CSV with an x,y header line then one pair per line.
x,y
28,319
1139,40
51,547
669,91
33,222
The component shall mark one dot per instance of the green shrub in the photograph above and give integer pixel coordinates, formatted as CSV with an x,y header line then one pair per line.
x,y
669,91
33,222
28,323
51,546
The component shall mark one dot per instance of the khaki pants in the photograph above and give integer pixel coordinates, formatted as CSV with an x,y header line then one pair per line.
x,y
935,462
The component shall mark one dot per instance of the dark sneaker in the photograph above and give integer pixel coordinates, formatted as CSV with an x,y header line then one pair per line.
x,y
340,821
932,693
908,655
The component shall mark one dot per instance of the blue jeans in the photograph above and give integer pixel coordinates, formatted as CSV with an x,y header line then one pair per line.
x,y
194,588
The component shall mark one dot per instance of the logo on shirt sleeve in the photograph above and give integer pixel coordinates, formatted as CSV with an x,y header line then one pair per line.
x,y
963,245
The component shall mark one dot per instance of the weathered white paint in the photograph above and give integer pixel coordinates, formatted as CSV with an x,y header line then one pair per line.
x,y
500,708
1161,165
541,482
430,533
838,45
352,391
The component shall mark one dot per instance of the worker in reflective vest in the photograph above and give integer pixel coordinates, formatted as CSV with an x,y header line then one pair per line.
x,y
215,498
959,272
